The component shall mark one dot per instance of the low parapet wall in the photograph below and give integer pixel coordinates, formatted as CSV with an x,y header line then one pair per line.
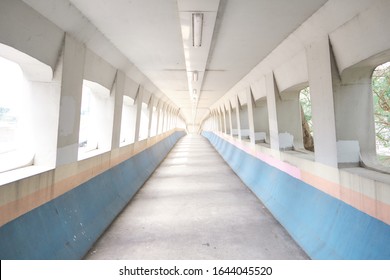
x,y
324,226
67,226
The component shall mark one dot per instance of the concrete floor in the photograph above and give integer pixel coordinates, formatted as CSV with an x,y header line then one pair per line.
x,y
195,207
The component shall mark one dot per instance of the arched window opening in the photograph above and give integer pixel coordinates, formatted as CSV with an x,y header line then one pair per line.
x,y
11,81
93,119
14,131
29,106
129,112
306,117
381,100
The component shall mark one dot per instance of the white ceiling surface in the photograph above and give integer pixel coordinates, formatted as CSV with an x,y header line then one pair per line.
x,y
149,34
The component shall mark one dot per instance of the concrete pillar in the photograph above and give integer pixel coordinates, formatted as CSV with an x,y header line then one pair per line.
x,y
220,120
158,108
251,105
230,119
172,119
272,95
166,118
118,91
163,118
321,93
224,119
238,117
70,102
150,111
138,102
215,126
212,123
217,120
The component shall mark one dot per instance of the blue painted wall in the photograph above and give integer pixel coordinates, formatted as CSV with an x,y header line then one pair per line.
x,y
325,227
67,227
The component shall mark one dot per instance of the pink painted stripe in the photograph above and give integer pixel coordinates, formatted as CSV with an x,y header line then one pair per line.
x,y
364,203
285,167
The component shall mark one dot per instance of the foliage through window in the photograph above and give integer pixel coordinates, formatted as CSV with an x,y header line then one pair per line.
x,y
381,96
307,125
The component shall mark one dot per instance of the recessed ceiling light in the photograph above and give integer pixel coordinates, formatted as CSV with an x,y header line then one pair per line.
x,y
197,25
195,76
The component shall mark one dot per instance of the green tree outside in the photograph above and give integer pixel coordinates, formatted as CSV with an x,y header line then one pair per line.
x,y
381,98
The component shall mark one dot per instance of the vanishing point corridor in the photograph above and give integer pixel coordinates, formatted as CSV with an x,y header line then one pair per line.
x,y
195,207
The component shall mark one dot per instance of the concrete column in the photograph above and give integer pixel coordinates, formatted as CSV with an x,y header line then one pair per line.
x,y
272,95
212,121
216,118
70,102
230,119
163,118
158,107
150,108
138,102
166,118
118,91
321,93
224,119
238,117
251,121
220,121
212,125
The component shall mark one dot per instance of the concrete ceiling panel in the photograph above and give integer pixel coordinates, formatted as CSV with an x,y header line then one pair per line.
x,y
148,33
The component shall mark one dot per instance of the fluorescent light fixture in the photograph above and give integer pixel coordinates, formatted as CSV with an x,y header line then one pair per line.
x,y
197,25
195,76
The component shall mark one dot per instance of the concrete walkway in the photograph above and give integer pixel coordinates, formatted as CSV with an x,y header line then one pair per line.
x,y
195,207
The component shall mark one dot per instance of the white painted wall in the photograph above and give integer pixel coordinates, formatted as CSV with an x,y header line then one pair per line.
x,y
117,92
260,117
340,74
244,121
29,31
70,104
321,94
55,89
289,116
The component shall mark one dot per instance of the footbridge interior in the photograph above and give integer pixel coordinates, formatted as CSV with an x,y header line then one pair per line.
x,y
184,129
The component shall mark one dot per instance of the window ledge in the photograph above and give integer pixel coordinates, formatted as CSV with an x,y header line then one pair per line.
x,y
91,153
370,174
21,173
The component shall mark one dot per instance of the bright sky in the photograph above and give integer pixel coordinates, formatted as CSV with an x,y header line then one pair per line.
x,y
11,77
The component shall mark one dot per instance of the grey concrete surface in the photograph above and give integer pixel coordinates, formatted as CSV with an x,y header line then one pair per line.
x,y
195,207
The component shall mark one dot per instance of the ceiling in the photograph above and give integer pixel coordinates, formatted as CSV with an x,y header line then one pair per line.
x,y
152,35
